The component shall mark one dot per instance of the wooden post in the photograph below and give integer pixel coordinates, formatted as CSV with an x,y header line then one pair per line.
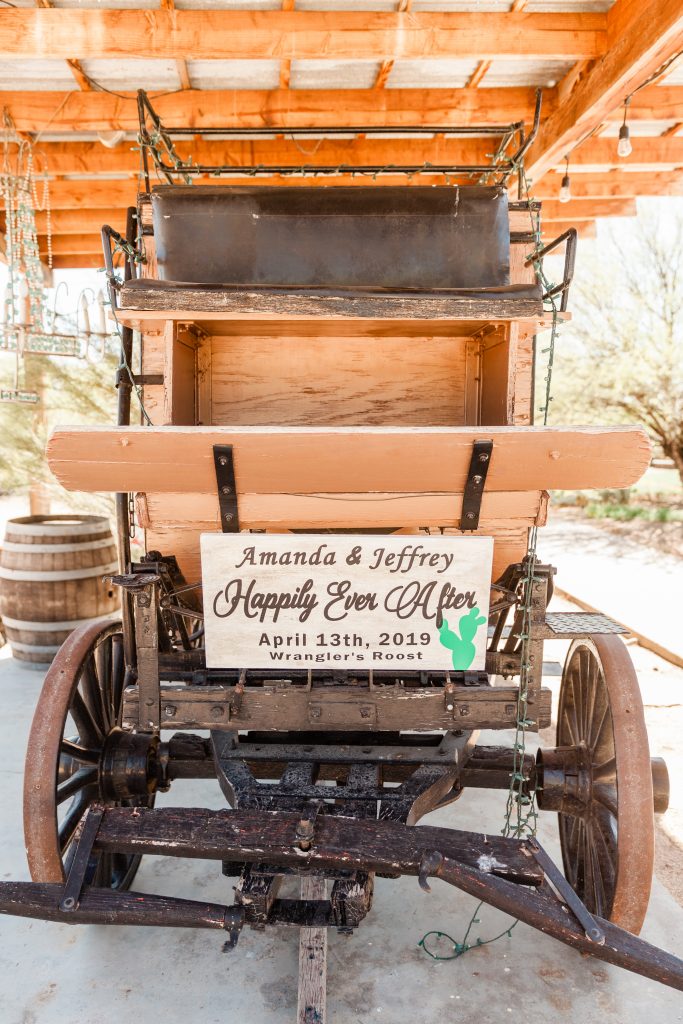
x,y
312,1004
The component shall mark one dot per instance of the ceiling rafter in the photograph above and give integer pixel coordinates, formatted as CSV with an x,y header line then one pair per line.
x,y
355,35
181,63
74,66
640,38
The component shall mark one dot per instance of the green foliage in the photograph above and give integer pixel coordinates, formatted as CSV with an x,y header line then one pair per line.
x,y
621,358
74,391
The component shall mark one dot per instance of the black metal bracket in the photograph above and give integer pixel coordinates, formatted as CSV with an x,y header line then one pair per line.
x,y
590,926
570,236
227,489
82,859
474,485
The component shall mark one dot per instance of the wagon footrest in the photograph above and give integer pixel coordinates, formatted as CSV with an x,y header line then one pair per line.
x,y
541,907
107,906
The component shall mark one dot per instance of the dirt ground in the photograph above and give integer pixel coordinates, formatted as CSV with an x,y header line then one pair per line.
x,y
664,537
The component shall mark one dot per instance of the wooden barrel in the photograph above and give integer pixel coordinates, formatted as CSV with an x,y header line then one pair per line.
x,y
51,570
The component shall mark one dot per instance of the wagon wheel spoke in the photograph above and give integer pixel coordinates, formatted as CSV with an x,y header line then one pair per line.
x,y
606,771
78,753
103,670
93,696
607,796
69,823
118,674
89,731
84,778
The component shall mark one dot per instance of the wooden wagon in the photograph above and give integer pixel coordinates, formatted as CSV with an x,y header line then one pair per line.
x,y
345,371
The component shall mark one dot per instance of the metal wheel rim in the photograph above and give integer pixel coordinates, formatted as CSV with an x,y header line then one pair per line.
x,y
608,853
46,745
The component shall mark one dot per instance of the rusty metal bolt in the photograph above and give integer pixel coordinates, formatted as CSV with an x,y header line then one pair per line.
x,y
170,710
304,833
464,710
217,711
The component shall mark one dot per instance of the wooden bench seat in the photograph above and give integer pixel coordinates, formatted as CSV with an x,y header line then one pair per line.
x,y
342,477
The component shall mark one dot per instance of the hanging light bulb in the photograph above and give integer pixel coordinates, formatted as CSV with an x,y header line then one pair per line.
x,y
566,186
624,147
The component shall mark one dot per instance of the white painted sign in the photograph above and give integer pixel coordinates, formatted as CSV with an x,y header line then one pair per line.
x,y
345,601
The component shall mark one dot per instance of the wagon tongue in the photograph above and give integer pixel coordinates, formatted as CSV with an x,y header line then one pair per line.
x,y
514,875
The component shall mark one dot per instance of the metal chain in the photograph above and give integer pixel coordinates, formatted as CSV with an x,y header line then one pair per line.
x,y
521,814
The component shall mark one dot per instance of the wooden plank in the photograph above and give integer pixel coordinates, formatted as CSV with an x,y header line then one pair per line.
x,y
312,997
388,708
640,38
336,380
353,35
335,510
33,111
301,460
190,302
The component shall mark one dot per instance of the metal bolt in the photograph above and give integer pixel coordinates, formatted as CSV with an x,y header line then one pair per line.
x,y
464,710
217,711
170,710
226,490
449,707
365,712
477,479
469,515
483,457
228,517
223,461
68,903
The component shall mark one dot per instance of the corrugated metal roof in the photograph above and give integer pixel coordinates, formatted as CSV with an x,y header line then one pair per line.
x,y
46,75
234,74
431,74
526,72
333,74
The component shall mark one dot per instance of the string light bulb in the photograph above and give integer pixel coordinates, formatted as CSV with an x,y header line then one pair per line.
x,y
624,147
566,186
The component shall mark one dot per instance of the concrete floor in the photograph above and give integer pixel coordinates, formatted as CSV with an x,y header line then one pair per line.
x,y
95,975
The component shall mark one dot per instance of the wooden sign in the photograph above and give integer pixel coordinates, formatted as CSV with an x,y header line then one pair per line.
x,y
346,602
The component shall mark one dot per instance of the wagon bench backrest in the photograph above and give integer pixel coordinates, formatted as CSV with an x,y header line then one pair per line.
x,y
370,477
334,238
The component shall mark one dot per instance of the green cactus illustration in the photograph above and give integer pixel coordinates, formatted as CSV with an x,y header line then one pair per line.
x,y
463,650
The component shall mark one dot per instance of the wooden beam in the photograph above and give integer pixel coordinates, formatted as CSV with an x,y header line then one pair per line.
x,y
586,229
94,158
80,221
74,66
479,72
624,184
649,154
351,35
34,111
587,209
65,245
385,69
640,38
85,261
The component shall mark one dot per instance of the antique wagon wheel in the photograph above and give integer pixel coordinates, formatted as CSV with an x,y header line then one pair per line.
x,y
606,817
76,753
